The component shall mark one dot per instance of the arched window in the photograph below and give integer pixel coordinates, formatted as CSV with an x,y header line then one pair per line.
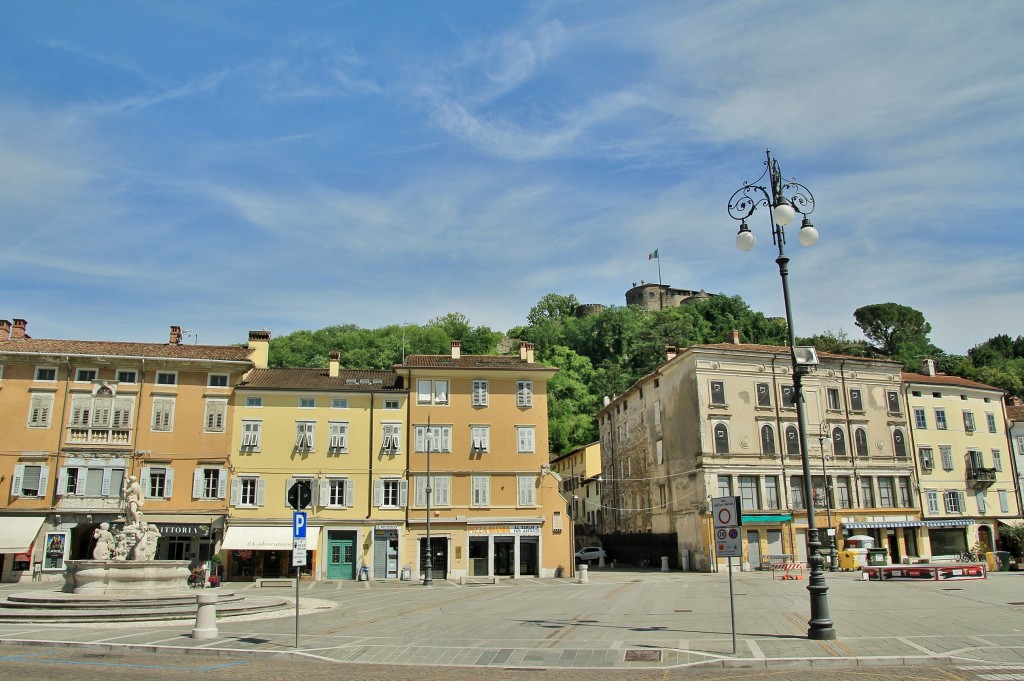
x,y
899,445
860,438
721,438
767,440
792,441
838,441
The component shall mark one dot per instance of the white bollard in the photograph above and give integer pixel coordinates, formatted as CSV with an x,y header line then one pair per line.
x,y
584,575
206,616
664,563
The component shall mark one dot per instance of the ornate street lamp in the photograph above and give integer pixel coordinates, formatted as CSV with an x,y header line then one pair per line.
x,y
784,199
428,564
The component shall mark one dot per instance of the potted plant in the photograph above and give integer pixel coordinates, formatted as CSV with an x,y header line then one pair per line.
x,y
213,581
216,560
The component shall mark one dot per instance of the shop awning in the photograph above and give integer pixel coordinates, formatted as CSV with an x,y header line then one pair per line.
x,y
953,522
880,524
772,518
18,532
257,538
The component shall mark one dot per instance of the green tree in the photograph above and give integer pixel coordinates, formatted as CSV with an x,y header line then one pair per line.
x,y
552,306
892,327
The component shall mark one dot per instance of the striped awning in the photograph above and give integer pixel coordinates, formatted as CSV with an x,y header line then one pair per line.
x,y
879,524
953,522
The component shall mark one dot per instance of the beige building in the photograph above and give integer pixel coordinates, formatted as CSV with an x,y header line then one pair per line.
x,y
960,434
720,420
580,471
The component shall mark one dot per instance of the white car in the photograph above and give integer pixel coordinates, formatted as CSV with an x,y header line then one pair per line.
x,y
590,553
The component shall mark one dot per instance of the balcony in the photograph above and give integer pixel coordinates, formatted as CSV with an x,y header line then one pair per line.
x,y
981,477
99,436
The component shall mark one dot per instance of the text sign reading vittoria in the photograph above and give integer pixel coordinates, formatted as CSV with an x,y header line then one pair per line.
x,y
505,529
174,530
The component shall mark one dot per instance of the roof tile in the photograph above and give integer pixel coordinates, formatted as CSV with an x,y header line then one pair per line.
x,y
46,346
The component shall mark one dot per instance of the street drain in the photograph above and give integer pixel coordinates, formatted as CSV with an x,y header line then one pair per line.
x,y
256,641
643,656
684,610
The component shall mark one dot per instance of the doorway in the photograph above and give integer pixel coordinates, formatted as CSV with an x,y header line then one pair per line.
x,y
529,555
504,556
341,558
753,549
438,557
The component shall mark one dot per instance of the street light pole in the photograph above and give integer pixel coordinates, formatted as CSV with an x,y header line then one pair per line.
x,y
783,210
830,531
428,564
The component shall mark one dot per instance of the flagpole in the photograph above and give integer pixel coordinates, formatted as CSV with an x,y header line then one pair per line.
x,y
661,291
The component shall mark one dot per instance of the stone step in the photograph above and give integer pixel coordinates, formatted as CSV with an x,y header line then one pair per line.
x,y
43,601
117,611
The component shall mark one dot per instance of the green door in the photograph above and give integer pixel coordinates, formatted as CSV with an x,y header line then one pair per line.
x,y
341,559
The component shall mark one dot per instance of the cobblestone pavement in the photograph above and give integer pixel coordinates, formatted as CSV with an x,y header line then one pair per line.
x,y
630,624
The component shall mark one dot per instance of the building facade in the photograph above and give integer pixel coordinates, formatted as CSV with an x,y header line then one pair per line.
x,y
82,417
580,471
720,420
968,486
1015,422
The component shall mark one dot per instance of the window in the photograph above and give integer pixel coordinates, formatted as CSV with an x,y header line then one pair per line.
x,y
721,438
254,401
249,491
767,440
764,395
990,418
718,392
166,378
481,490
796,491
157,481
431,392
856,400
217,380
968,421
750,498
659,452
304,435
860,441
438,438
527,490
997,461
927,458
480,393
337,492
390,405
832,394
940,419
904,484
899,444
46,374
480,439
97,481
1004,502
838,441
127,376
524,393
85,375
391,441
932,500
788,397
338,443
979,499
342,403
525,439
920,419
251,432
954,500
946,453
163,413
30,480
843,492
390,493
39,410
440,490
771,492
307,403
886,492
867,492
792,441
657,412
975,459
893,402
209,483
216,411
725,486
72,481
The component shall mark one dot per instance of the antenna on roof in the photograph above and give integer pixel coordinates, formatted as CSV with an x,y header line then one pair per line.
x,y
188,332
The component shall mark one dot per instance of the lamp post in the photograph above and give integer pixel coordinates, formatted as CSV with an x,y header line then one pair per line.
x,y
428,564
833,562
783,209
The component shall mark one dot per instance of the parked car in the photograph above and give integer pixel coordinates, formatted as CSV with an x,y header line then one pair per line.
x,y
590,553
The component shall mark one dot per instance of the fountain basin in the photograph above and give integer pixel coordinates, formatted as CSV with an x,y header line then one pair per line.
x,y
115,576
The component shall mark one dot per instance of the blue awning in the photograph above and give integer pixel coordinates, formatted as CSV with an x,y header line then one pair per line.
x,y
954,522
875,525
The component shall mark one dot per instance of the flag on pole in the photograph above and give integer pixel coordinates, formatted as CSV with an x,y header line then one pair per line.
x,y
653,254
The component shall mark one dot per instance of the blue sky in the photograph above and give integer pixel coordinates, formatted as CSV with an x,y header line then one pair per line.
x,y
229,166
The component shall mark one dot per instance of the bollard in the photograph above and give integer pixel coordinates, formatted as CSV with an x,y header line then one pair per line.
x,y
584,575
206,616
664,563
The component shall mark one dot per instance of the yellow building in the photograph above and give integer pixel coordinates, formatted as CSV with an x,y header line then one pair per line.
x,y
336,440
478,424
580,471
80,417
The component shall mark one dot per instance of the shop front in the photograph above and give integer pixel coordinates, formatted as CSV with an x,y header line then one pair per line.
x,y
18,537
949,537
899,537
263,552
385,552
504,550
764,538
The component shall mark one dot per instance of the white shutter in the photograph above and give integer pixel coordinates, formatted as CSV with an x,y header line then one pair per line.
x,y
403,493
442,490
236,491
420,439
197,484
314,493
19,473
350,493
62,482
421,491
168,482
105,486
261,491
446,439
378,493
122,413
222,484
325,490
101,407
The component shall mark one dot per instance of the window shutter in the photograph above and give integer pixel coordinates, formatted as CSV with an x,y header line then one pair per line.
x,y
325,490
122,413
403,493
197,484
44,478
523,494
105,485
144,480
19,474
314,494
378,493
421,491
350,494
961,501
446,439
222,484
261,491
236,491
101,412
168,482
421,439
556,521
62,482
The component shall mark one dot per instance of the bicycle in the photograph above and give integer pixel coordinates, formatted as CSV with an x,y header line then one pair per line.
x,y
968,556
197,580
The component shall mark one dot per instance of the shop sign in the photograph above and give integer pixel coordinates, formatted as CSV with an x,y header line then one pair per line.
x,y
506,529
386,528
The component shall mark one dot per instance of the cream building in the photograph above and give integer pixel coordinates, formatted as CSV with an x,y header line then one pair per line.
x,y
580,471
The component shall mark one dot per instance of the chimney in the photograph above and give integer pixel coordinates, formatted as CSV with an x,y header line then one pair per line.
x,y
175,335
18,330
734,337
671,352
259,343
5,329
335,359
929,367
526,352
456,349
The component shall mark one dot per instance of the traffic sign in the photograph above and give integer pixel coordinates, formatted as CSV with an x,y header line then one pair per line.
x,y
726,512
300,494
299,525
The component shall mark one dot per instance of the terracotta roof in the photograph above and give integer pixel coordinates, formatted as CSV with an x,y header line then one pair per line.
x,y
784,349
349,380
46,346
946,379
471,362
1015,413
